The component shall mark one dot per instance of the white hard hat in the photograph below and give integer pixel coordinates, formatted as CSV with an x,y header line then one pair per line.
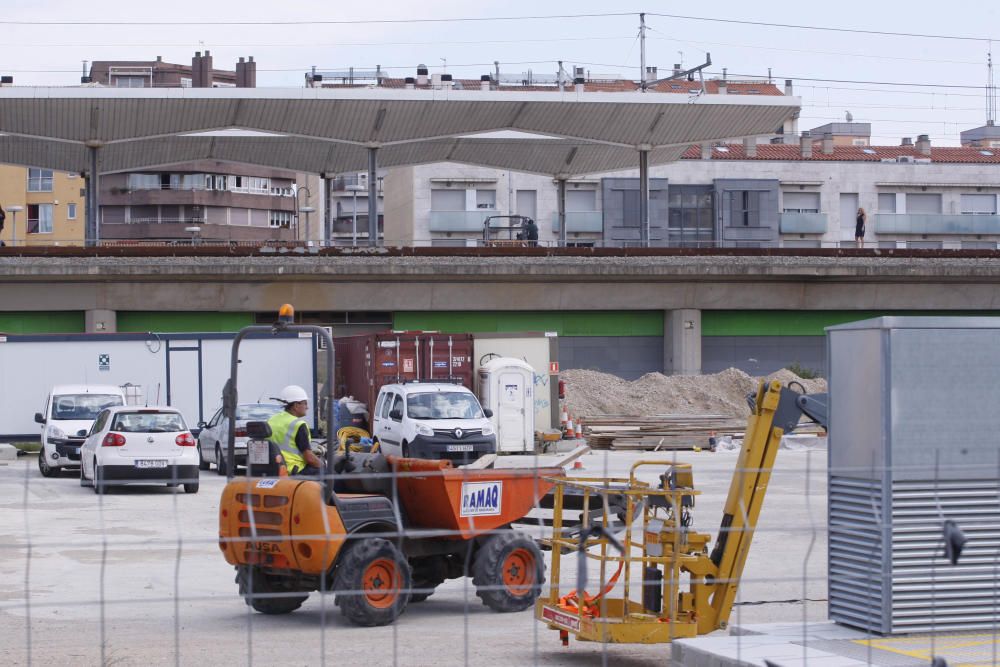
x,y
293,393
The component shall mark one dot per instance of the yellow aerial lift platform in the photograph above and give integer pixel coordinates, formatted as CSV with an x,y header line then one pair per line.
x,y
668,551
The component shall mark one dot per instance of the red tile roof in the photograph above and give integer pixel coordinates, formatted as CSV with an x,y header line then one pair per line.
x,y
793,153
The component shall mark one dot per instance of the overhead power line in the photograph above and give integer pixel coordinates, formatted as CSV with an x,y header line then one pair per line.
x,y
271,22
859,31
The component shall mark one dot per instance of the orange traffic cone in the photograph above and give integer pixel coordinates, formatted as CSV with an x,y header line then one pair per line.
x,y
570,430
578,465
579,427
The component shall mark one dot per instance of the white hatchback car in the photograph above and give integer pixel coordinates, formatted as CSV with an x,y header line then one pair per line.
x,y
129,445
432,420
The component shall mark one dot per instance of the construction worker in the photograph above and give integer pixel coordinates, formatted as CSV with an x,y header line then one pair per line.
x,y
290,432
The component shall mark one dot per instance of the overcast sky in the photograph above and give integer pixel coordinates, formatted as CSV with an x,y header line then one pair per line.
x,y
857,69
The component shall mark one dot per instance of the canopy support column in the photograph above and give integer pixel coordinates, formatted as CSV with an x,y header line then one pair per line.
x,y
644,197
563,233
372,196
92,234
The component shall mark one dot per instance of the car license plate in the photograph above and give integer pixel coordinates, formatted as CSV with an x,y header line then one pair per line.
x,y
459,448
150,463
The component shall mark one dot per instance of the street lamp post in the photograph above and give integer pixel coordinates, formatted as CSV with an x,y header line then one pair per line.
x,y
14,210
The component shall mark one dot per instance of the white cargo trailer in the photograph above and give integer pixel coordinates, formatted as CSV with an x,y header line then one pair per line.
x,y
186,371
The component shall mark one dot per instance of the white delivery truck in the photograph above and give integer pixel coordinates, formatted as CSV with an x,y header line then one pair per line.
x,y
186,371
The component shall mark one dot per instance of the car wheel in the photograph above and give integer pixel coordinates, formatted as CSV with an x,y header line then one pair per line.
x,y
406,449
220,463
43,465
83,477
202,463
191,487
99,484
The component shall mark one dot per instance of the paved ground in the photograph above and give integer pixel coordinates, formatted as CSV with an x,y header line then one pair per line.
x,y
169,595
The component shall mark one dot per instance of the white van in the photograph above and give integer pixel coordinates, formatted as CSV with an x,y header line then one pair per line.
x,y
432,420
69,413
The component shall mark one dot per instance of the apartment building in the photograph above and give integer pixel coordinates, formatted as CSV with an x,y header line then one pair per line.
x,y
745,194
43,207
205,200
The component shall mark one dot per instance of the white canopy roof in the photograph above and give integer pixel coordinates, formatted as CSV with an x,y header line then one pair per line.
x,y
330,130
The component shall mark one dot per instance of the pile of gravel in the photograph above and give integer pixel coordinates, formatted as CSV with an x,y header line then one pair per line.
x,y
592,393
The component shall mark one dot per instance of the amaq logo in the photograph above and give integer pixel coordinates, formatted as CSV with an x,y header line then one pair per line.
x,y
458,432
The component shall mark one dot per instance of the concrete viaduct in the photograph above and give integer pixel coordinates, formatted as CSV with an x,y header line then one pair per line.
x,y
679,286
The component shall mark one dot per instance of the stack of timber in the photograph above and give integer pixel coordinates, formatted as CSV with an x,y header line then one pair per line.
x,y
658,432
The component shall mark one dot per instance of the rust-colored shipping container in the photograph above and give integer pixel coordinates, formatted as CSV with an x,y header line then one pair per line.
x,y
364,364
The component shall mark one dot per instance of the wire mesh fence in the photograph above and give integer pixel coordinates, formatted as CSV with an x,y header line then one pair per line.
x,y
416,565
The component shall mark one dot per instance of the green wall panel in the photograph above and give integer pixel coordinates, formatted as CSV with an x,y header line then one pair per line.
x,y
572,323
181,322
800,323
42,323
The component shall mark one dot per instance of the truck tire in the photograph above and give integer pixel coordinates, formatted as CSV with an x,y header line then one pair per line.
x,y
373,582
508,572
43,465
269,597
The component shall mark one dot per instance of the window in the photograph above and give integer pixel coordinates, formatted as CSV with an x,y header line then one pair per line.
x,y
386,404
629,202
447,200
581,200
71,211
745,208
527,203
258,185
923,203
444,405
39,180
397,405
221,183
887,202
39,218
800,202
486,198
143,182
280,219
130,81
690,214
979,204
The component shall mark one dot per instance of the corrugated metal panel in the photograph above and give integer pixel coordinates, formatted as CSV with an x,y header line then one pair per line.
x,y
856,554
913,588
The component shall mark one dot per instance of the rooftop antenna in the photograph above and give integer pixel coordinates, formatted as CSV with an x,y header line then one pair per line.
x,y
444,64
642,52
991,90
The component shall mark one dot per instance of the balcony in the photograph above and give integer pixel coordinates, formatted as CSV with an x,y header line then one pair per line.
x,y
929,223
460,221
580,221
803,223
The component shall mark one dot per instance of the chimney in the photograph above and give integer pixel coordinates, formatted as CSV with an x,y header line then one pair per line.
x,y
750,146
651,74
250,73
6,81
907,141
409,82
788,87
446,81
578,84
422,75
484,82
677,69
706,151
206,70
828,143
240,64
723,87
924,145
196,70
806,145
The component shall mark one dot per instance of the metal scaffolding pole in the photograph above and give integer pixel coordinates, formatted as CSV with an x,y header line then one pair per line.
x,y
644,198
372,197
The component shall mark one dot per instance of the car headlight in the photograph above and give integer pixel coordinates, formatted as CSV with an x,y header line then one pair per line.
x,y
57,433
488,429
424,429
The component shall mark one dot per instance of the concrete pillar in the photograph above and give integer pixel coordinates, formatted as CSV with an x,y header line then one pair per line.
x,y
682,342
100,321
373,196
644,197
561,208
